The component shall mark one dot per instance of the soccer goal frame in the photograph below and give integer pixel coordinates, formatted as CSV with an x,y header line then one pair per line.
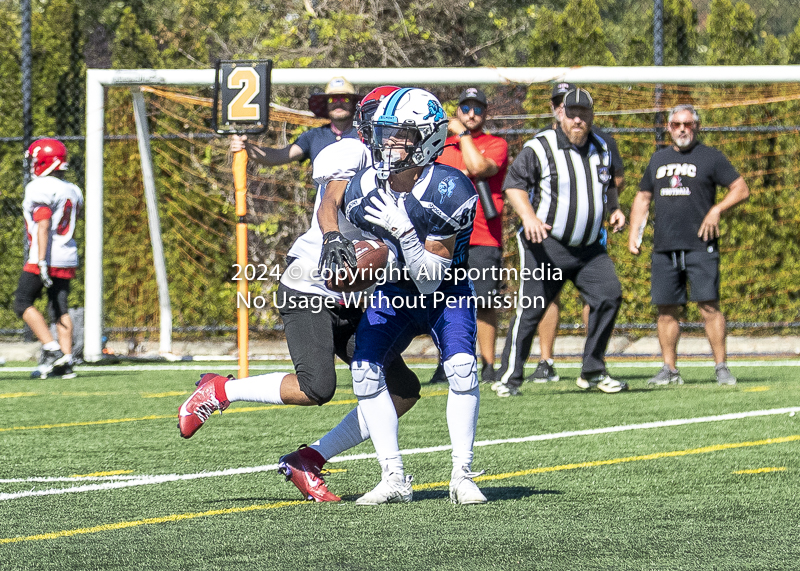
x,y
97,80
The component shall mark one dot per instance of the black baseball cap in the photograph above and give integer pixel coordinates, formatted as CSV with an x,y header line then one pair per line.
x,y
577,97
473,93
560,88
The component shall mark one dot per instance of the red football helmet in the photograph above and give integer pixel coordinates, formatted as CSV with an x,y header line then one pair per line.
x,y
366,109
46,156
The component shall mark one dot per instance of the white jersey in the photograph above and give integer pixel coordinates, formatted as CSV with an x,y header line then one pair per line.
x,y
49,197
338,161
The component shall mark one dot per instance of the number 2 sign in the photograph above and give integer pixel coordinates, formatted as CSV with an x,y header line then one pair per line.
x,y
241,96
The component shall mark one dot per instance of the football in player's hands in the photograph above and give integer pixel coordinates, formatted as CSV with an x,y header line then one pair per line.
x,y
371,258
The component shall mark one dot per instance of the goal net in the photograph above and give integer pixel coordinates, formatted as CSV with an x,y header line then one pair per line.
x,y
752,114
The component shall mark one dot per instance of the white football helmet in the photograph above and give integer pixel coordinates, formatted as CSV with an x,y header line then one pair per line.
x,y
412,120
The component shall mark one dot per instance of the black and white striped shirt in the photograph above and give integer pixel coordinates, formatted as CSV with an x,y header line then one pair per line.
x,y
568,187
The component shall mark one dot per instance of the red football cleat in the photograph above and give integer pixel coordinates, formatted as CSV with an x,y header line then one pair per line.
x,y
303,467
208,397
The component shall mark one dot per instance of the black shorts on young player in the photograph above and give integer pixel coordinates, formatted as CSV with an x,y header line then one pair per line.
x,y
671,271
30,287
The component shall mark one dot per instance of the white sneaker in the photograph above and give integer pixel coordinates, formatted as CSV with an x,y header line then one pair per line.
x,y
392,489
603,382
463,490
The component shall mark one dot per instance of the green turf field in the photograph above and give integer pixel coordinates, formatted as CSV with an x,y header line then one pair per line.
x,y
95,476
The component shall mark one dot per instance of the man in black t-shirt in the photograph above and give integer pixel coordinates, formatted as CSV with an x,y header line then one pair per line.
x,y
683,180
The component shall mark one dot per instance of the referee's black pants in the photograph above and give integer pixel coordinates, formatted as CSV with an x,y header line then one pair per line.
x,y
592,272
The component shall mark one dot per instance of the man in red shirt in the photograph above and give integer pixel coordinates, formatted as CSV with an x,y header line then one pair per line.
x,y
481,157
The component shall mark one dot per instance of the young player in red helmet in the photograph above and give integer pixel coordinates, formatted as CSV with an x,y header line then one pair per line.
x,y
51,207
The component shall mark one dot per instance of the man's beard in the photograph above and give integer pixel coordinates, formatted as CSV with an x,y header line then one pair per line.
x,y
578,138
684,142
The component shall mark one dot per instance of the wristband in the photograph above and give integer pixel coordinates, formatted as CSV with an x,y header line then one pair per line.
x,y
464,133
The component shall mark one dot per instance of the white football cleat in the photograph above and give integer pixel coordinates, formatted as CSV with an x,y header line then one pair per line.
x,y
463,490
392,489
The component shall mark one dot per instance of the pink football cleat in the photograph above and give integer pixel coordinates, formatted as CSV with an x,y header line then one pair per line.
x,y
303,467
208,397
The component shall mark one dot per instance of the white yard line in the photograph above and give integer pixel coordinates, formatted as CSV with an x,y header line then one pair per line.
x,y
131,481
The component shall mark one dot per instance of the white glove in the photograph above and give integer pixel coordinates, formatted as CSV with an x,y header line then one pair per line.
x,y
44,273
383,211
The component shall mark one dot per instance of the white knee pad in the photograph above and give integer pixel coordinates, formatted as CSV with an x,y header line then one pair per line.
x,y
462,372
368,379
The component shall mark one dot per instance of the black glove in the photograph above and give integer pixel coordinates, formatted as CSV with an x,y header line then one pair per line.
x,y
337,253
44,273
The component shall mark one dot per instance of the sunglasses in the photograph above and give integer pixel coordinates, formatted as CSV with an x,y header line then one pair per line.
x,y
476,108
339,99
677,124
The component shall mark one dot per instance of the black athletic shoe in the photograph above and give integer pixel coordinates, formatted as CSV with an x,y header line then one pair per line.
x,y
544,372
438,375
63,371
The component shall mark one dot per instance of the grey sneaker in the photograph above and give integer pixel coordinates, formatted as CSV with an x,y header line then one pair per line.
x,y
603,382
724,376
50,360
666,376
544,372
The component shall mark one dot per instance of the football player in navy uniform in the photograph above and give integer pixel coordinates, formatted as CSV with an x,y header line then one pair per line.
x,y
318,325
424,213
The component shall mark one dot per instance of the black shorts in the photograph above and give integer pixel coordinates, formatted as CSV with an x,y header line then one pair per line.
x,y
316,331
671,271
485,264
30,287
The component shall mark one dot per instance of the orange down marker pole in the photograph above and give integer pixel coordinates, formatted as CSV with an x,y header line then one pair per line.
x,y
242,321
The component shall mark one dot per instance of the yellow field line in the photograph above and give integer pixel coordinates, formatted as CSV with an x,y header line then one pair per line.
x,y
595,463
761,470
148,521
493,477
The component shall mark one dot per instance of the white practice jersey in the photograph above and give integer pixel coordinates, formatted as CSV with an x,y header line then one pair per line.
x,y
338,161
49,197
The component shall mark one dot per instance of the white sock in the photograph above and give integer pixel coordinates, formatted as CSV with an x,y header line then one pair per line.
x,y
68,356
381,420
261,388
51,346
550,362
462,419
350,432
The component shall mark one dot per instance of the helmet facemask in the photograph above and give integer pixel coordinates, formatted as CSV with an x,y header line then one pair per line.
x,y
399,147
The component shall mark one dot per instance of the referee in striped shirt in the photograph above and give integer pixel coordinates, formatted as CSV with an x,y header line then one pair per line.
x,y
561,186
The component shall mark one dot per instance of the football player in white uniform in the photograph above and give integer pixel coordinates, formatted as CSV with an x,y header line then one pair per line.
x,y
318,325
51,207
424,212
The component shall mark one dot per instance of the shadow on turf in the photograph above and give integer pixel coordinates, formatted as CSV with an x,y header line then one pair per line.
x,y
492,494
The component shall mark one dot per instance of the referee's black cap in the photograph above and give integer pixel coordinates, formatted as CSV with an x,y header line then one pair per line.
x,y
578,97
473,93
559,89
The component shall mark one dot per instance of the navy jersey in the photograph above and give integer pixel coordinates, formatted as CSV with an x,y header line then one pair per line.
x,y
441,205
